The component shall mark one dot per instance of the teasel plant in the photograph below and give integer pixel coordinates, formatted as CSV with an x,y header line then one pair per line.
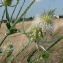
x,y
11,28
42,25
35,33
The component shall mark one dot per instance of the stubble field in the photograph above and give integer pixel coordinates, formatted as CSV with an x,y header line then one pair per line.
x,y
19,40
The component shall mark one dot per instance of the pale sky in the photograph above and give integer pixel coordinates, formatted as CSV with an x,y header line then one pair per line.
x,y
38,7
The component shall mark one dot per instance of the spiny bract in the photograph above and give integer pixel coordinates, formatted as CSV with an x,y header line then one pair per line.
x,y
46,18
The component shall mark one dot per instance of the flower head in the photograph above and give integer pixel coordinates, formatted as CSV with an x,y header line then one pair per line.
x,y
42,24
34,33
7,49
7,2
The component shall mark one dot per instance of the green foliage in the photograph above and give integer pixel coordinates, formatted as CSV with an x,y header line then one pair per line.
x,y
45,55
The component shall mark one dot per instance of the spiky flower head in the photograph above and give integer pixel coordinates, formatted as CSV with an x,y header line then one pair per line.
x,y
7,2
47,16
40,25
7,49
34,33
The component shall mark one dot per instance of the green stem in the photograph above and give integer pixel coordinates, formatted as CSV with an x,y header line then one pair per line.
x,y
30,56
54,43
23,13
20,9
20,51
7,14
61,37
2,16
14,10
3,39
23,24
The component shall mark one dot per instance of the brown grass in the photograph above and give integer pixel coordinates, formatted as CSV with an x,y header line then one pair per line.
x,y
19,40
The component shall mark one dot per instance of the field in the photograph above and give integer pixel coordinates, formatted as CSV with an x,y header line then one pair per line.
x,y
18,40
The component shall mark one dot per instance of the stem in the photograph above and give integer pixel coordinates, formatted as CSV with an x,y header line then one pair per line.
x,y
30,56
23,24
12,6
7,14
3,40
23,13
20,51
2,16
14,10
61,37
54,43
20,9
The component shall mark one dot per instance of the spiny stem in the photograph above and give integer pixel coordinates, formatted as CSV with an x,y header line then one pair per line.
x,y
14,10
30,56
23,13
54,43
2,16
23,24
7,14
3,39
20,51
20,9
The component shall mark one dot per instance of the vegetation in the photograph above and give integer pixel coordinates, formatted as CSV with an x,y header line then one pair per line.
x,y
36,33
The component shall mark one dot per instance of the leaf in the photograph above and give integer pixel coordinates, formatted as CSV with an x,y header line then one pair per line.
x,y
45,55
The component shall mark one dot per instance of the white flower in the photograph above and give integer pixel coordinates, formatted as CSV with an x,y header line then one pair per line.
x,y
41,26
34,33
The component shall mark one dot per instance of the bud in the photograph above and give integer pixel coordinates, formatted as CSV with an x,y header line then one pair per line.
x,y
17,1
7,49
6,2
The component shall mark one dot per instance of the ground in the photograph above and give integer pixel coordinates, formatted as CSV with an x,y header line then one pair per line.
x,y
18,40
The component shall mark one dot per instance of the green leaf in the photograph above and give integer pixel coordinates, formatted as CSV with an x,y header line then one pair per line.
x,y
45,55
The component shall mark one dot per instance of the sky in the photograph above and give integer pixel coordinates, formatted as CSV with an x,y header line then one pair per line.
x,y
36,8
